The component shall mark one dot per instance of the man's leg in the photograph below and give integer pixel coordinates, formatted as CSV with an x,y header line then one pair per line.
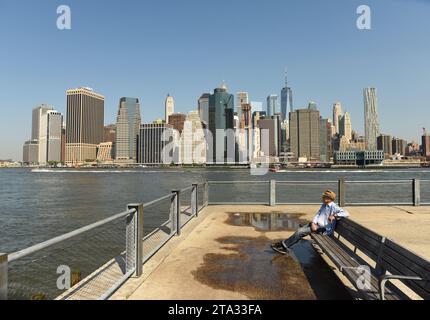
x,y
297,236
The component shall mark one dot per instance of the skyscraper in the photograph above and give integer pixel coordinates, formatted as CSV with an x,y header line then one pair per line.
x,y
371,121
272,105
203,108
271,124
109,133
325,140
305,134
337,112
177,120
192,141
53,137
150,143
221,117
242,98
38,112
384,143
169,107
345,127
127,128
46,134
399,146
425,144
312,105
85,123
286,100
30,152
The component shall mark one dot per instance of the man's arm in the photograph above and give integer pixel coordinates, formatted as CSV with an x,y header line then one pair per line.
x,y
338,212
314,223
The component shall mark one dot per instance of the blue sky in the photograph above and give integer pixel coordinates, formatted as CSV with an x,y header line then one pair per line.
x,y
146,49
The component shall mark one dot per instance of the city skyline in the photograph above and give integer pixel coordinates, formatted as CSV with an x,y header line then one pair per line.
x,y
361,59
344,131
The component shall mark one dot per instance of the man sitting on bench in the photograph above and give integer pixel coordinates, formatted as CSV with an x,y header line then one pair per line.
x,y
324,222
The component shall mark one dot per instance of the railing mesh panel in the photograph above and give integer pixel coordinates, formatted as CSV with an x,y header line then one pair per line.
x,y
239,192
308,192
35,277
378,192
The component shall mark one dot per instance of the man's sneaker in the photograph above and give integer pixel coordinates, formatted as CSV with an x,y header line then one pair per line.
x,y
279,247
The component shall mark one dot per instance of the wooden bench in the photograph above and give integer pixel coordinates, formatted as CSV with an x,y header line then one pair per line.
x,y
382,261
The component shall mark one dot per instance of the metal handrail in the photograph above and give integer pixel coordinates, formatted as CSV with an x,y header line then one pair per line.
x,y
186,189
239,182
379,181
25,252
306,182
148,204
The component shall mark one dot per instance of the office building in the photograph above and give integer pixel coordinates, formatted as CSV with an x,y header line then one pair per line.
x,y
177,120
203,108
192,141
272,105
371,121
325,140
425,145
53,138
345,127
46,132
256,116
286,100
109,133
105,152
84,127
169,107
337,113
312,105
30,153
241,99
399,146
359,158
305,134
271,127
221,118
384,143
127,128
151,142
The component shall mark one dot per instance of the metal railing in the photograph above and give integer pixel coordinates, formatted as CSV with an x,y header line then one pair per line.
x,y
92,262
350,193
103,255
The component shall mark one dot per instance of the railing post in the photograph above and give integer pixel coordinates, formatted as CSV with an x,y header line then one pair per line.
x,y
206,194
176,211
3,276
272,200
194,200
134,239
342,192
416,192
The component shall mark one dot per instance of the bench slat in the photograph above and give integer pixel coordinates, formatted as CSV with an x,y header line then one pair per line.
x,y
341,259
395,262
369,246
354,225
343,256
409,255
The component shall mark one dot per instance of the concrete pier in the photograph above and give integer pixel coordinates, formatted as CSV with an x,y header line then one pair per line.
x,y
225,254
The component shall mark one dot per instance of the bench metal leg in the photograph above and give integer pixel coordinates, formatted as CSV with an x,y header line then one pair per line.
x,y
384,279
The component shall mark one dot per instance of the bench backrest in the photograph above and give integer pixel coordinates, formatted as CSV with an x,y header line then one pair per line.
x,y
362,238
400,261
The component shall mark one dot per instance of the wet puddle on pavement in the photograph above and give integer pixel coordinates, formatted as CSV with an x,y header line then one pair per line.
x,y
275,221
250,266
